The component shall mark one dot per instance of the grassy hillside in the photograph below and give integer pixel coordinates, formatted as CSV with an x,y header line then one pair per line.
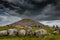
x,y
46,37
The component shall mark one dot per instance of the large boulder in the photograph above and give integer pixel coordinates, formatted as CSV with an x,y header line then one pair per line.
x,y
3,33
12,32
30,31
40,32
22,32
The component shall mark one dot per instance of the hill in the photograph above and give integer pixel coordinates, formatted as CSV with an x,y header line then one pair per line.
x,y
28,22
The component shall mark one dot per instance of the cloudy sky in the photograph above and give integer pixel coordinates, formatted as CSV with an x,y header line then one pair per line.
x,y
44,11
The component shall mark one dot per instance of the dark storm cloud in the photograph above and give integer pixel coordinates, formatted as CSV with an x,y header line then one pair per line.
x,y
1,18
35,9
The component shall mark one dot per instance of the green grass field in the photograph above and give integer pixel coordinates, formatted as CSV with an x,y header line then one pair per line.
x,y
46,37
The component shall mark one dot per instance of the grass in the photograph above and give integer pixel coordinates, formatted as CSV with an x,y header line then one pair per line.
x,y
46,37
54,37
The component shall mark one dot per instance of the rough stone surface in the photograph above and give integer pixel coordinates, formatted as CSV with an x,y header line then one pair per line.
x,y
12,32
21,32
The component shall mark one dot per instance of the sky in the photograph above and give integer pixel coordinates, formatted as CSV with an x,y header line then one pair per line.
x,y
44,11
